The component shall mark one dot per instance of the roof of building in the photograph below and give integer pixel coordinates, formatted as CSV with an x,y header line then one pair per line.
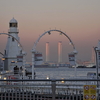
x,y
13,20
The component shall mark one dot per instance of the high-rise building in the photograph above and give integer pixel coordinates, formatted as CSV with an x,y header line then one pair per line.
x,y
59,51
47,51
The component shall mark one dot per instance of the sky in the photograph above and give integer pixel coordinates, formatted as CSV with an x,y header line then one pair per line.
x,y
79,19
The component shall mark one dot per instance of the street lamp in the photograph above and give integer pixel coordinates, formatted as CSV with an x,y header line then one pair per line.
x,y
97,50
48,77
97,53
75,52
33,62
4,78
24,54
0,76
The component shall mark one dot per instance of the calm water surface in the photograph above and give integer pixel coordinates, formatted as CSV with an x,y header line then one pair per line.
x,y
61,72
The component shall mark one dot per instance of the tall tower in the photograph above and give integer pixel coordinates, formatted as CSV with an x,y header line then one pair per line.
x,y
47,51
12,47
93,56
59,51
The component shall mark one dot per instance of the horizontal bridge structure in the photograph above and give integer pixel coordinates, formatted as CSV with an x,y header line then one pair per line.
x,y
48,89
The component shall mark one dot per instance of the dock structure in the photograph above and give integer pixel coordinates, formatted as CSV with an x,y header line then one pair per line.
x,y
62,89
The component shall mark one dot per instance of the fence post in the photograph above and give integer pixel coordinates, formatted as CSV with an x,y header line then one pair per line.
x,y
53,86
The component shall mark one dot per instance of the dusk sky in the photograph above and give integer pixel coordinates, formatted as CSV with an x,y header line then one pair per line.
x,y
79,19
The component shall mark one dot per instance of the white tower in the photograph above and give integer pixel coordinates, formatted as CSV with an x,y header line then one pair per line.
x,y
59,52
12,48
47,51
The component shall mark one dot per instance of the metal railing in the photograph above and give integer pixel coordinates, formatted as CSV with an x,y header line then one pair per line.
x,y
46,89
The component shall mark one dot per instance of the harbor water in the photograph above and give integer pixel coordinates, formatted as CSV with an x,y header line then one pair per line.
x,y
62,72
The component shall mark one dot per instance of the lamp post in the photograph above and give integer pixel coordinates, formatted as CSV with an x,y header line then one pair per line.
x,y
75,52
33,62
97,53
23,53
97,50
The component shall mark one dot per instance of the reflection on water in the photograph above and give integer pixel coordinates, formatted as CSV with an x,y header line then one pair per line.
x,y
61,72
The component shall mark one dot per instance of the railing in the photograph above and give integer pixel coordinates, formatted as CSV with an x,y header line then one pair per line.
x,y
43,89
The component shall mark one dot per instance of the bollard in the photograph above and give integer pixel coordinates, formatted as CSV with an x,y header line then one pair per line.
x,y
53,86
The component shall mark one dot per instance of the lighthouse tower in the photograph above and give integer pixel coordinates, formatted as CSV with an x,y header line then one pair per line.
x,y
12,47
